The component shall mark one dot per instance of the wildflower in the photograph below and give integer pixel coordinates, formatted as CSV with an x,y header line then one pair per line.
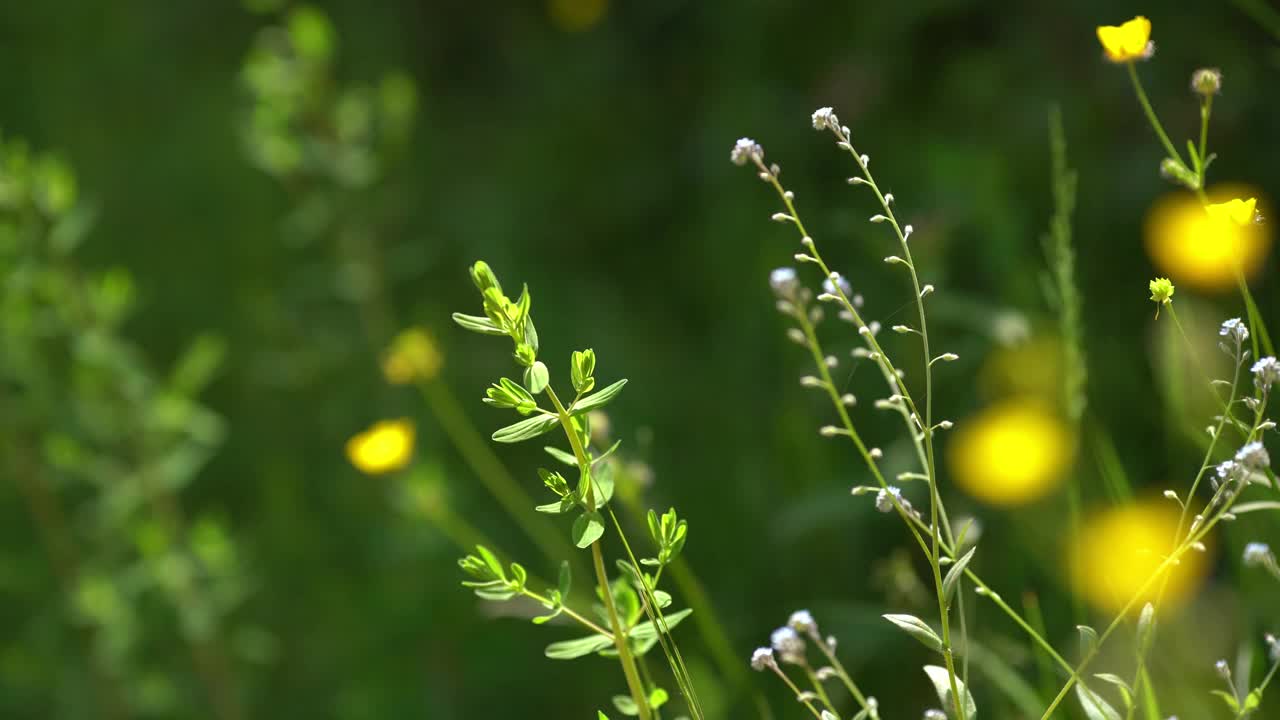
x,y
1226,471
1194,249
1234,329
784,282
385,447
802,622
1257,554
412,356
1161,292
1118,549
1223,669
1253,456
1240,212
762,659
1011,453
829,287
746,150
824,118
789,645
885,498
1128,42
1266,372
1206,82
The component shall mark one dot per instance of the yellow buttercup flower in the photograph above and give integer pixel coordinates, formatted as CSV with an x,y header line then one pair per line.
x,y
1011,453
1127,42
412,356
1201,248
1119,550
385,447
1240,212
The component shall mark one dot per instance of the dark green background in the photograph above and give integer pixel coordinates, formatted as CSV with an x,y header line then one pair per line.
x,y
594,166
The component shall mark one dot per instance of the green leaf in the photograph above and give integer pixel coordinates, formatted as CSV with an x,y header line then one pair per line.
x,y
565,457
495,595
1095,708
565,579
539,620
1229,699
536,377
918,629
952,581
662,597
626,705
475,323
587,529
563,505
597,399
570,649
595,460
601,716
1252,701
491,561
658,697
647,630
526,429
1088,639
1126,692
942,685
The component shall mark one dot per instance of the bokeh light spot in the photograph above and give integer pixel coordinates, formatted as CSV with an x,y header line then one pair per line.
x,y
1011,453
1194,248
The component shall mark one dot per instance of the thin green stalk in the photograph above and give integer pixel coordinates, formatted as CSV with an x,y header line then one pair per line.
x,y
568,611
1151,114
843,674
602,578
800,697
817,687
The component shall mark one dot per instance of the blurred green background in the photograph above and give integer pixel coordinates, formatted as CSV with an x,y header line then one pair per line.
x,y
582,147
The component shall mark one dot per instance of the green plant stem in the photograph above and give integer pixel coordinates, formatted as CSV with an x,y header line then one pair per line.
x,y
490,471
817,687
1151,114
843,674
799,695
568,611
602,578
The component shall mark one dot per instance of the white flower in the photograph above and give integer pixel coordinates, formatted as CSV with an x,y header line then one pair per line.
x,y
746,150
783,281
885,498
829,287
1266,372
824,118
788,644
1257,554
1254,456
802,622
762,659
1234,329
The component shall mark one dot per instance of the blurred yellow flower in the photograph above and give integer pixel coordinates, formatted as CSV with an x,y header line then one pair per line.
x,y
412,356
385,447
1235,210
1194,248
1130,41
576,15
1011,453
1119,549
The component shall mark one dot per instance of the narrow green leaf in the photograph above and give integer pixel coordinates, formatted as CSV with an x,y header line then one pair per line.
x,y
952,580
570,649
598,398
647,630
1229,699
526,429
1126,692
1088,639
587,529
491,561
918,629
475,323
1095,708
565,457
942,685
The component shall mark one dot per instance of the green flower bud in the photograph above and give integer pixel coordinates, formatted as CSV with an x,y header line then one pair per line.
x,y
483,277
582,368
526,355
1175,171
1206,82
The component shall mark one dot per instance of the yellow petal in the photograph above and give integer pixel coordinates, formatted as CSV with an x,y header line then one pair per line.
x,y
1202,247
385,447
1240,212
1126,42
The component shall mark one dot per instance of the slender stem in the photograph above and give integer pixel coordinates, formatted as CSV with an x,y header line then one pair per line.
x,y
568,611
1206,107
602,578
843,674
799,695
1151,114
817,687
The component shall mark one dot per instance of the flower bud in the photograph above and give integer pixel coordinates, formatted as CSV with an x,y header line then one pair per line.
x,y
1206,82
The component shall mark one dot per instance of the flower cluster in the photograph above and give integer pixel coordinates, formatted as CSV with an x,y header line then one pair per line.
x,y
1266,372
746,150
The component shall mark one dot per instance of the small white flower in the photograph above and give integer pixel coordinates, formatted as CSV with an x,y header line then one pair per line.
x,y
1223,669
802,622
1257,554
829,287
1234,329
1266,372
762,659
784,282
746,150
789,645
1254,456
885,498
824,118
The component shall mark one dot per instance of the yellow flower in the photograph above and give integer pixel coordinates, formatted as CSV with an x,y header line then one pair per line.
x,y
1240,212
1195,249
412,356
1118,551
1011,453
385,447
1130,41
576,15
